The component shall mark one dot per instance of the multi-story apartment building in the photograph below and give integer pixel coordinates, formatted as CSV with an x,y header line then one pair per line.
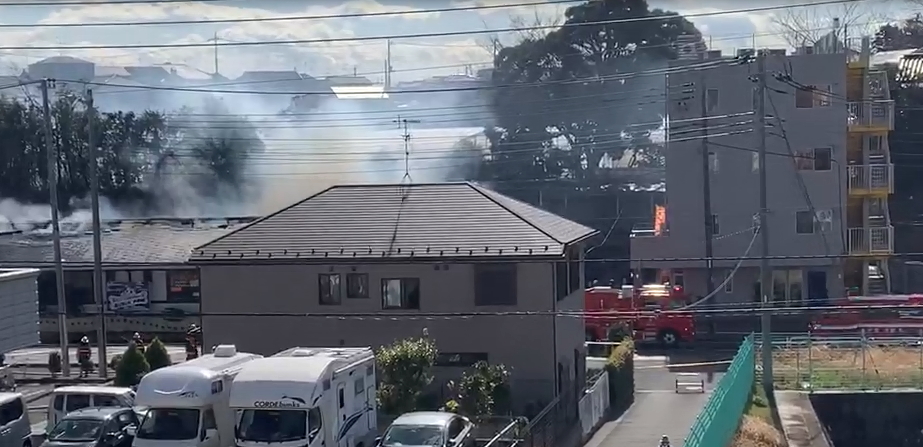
x,y
828,179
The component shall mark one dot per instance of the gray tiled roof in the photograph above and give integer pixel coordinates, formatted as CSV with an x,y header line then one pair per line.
x,y
422,221
131,242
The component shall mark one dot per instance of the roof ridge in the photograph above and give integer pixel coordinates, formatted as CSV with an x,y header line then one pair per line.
x,y
480,190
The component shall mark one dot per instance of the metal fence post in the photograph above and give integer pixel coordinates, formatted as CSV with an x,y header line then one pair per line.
x,y
810,363
863,343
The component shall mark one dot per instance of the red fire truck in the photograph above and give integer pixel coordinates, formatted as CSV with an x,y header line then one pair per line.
x,y
871,321
650,312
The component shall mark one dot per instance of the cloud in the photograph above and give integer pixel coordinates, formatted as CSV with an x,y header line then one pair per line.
x,y
316,59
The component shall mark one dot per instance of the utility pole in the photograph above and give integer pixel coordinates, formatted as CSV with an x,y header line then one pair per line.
x,y
99,299
56,232
765,271
215,46
388,67
706,188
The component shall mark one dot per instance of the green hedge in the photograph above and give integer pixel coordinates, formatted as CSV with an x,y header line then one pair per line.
x,y
621,370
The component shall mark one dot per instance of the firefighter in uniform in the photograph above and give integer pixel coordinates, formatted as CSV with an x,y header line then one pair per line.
x,y
192,344
138,341
664,441
84,354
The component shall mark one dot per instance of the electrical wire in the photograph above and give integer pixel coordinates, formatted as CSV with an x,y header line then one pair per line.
x,y
431,34
406,12
730,276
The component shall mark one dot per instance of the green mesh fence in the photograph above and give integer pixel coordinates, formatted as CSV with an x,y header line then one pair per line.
x,y
718,421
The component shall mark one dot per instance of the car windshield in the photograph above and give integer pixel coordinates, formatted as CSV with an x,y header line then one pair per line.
x,y
78,430
174,424
272,425
413,435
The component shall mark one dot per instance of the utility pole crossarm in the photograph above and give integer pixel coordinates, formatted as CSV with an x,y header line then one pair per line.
x,y
404,124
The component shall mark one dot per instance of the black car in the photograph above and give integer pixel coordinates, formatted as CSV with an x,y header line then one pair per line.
x,y
94,427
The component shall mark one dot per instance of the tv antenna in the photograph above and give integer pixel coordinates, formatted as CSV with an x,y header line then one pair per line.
x,y
404,124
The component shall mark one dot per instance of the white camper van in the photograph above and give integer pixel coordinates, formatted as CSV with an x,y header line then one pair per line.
x,y
186,405
307,397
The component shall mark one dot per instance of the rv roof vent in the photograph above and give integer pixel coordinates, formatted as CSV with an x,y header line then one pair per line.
x,y
302,353
225,351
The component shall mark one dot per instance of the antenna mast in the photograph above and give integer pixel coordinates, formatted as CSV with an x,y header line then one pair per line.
x,y
404,124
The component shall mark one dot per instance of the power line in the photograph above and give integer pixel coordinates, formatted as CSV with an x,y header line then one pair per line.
x,y
406,12
431,34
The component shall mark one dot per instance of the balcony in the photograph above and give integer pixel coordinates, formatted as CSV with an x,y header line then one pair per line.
x,y
871,241
647,230
871,116
870,180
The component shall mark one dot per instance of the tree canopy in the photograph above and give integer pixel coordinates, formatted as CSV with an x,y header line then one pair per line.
x,y
149,162
575,102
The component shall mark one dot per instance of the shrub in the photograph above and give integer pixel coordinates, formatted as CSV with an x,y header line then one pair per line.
x,y
54,363
483,391
405,369
621,370
131,367
114,363
156,355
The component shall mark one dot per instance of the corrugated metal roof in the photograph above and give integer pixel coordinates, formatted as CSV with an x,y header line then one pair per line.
x,y
132,242
388,222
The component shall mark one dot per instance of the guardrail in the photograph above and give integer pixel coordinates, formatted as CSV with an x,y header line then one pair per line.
x,y
868,178
863,361
717,422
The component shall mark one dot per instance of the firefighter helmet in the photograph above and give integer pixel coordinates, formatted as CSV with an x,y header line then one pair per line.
x,y
85,340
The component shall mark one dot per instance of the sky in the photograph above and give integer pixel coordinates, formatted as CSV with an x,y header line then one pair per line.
x,y
25,27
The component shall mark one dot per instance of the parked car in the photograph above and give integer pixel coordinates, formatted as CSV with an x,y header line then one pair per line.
x,y
428,429
95,427
14,421
67,399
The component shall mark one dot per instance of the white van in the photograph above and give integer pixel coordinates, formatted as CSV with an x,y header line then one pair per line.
x,y
186,405
71,398
307,397
15,429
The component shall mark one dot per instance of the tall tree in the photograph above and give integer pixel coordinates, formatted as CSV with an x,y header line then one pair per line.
x,y
574,102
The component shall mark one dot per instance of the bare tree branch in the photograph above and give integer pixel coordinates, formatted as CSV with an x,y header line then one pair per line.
x,y
805,26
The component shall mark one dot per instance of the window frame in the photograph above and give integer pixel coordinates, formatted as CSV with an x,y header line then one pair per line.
x,y
800,225
349,282
406,303
829,151
321,289
503,292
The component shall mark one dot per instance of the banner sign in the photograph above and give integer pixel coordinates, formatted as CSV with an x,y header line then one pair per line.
x,y
127,296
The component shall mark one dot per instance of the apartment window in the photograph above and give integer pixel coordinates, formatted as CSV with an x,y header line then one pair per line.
x,y
875,144
328,285
495,284
400,293
819,159
786,286
729,281
357,285
811,96
807,222
711,99
715,227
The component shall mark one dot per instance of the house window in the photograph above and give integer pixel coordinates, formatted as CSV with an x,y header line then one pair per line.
x,y
711,99
729,281
820,159
715,228
357,285
328,285
495,284
400,293
811,96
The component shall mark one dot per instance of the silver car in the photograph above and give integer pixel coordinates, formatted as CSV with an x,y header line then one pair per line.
x,y
429,429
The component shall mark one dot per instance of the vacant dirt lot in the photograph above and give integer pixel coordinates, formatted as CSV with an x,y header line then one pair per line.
x,y
848,367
